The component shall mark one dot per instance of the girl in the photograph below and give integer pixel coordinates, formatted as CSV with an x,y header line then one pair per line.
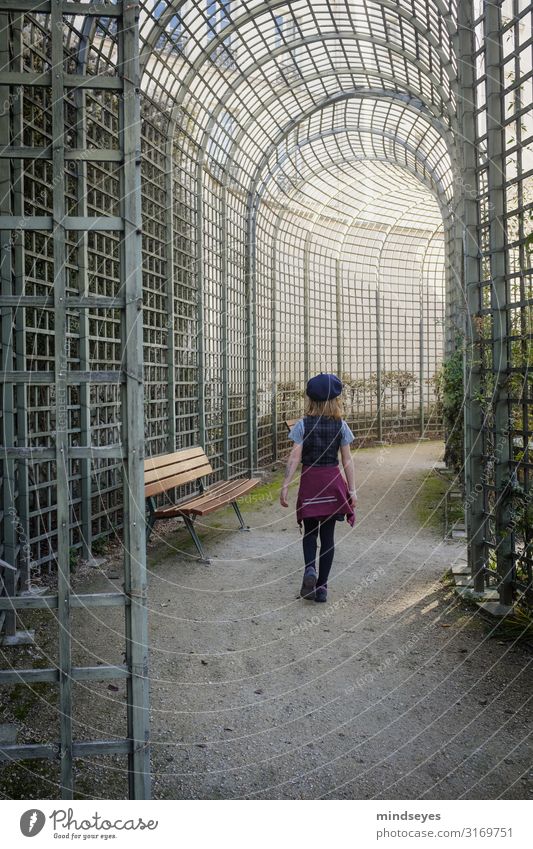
x,y
324,496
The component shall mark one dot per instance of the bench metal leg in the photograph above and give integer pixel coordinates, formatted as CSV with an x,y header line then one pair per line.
x,y
192,530
243,527
151,518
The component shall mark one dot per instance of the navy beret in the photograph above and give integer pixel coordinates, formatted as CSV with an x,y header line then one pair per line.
x,y
323,387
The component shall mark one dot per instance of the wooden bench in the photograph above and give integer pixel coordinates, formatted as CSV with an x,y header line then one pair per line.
x,y
169,471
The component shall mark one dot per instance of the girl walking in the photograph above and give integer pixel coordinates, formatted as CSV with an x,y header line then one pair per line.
x,y
324,496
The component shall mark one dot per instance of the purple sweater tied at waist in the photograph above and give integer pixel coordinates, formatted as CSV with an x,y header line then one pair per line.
x,y
323,493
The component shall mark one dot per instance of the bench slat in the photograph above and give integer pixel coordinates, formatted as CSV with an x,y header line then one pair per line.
x,y
164,484
218,496
167,459
225,493
217,491
173,469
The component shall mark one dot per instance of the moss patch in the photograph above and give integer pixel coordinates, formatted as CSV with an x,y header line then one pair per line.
x,y
430,506
429,502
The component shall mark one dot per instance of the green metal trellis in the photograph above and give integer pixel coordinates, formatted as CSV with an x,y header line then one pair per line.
x,y
319,197
130,450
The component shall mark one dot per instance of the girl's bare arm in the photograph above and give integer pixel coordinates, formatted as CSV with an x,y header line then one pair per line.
x,y
347,464
292,464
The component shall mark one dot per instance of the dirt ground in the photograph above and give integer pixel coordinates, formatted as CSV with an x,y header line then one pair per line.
x,y
393,689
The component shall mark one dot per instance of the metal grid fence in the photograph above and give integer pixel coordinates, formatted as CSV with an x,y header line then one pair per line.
x,y
321,184
212,373
500,328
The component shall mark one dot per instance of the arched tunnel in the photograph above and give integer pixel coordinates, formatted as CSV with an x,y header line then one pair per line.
x,y
204,204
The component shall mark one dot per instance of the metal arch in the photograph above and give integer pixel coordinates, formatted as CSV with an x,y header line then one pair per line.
x,y
427,107
303,117
409,100
371,94
371,158
375,93
204,56
290,196
257,11
272,149
376,265
378,196
443,207
341,130
432,187
303,42
253,198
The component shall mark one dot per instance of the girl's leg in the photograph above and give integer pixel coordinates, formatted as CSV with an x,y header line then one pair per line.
x,y
310,538
327,550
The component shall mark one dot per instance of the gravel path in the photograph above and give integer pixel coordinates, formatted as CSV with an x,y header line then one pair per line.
x,y
390,690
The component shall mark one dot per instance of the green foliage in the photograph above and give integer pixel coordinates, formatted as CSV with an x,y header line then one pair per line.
x,y
449,389
289,400
73,559
429,501
99,546
516,626
399,381
353,391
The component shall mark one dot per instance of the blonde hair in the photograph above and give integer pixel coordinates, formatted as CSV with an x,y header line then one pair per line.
x,y
331,409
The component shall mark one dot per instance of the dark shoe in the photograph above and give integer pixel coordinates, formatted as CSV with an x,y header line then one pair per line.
x,y
308,584
321,594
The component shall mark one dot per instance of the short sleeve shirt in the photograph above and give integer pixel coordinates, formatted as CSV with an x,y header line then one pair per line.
x,y
297,432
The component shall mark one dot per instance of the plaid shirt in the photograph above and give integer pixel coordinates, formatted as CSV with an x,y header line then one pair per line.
x,y
322,440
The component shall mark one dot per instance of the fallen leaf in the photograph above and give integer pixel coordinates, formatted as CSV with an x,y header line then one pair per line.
x,y
112,687
203,662
259,691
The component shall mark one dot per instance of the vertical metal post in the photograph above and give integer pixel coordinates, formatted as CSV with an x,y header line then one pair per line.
x,y
20,314
170,296
450,336
200,298
421,346
338,305
307,307
379,397
499,295
450,247
61,401
6,359
421,374
275,336
224,332
132,409
83,287
473,422
252,341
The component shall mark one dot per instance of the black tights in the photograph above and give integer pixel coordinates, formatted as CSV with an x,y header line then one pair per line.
x,y
326,527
